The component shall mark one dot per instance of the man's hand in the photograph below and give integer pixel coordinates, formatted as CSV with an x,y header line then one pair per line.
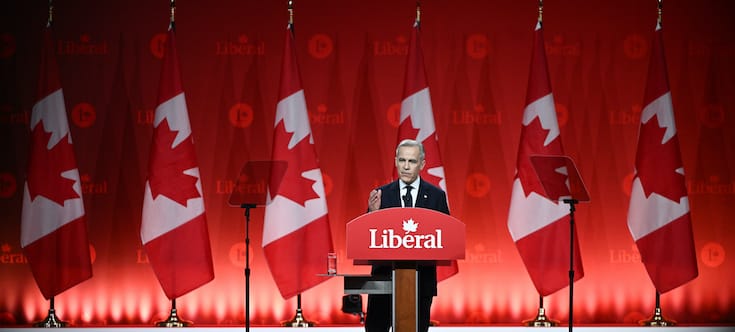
x,y
374,200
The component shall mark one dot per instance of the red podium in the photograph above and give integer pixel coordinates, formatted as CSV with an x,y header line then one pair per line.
x,y
404,238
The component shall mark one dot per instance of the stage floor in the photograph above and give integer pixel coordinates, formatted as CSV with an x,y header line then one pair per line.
x,y
432,329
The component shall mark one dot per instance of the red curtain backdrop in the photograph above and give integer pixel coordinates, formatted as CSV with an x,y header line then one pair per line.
x,y
352,59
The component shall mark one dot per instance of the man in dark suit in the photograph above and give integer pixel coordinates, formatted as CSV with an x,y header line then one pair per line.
x,y
408,191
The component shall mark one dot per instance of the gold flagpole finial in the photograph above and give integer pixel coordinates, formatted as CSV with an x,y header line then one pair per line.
x,y
172,19
418,12
290,13
50,19
540,11
660,12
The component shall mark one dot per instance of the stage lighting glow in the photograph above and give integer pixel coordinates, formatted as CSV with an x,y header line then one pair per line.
x,y
221,307
486,303
517,306
144,308
87,315
116,307
458,305
33,309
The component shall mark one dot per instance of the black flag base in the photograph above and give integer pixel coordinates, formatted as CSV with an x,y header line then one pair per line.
x,y
657,319
541,320
173,319
298,320
51,320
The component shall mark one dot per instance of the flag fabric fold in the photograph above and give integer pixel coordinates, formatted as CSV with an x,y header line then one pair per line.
x,y
417,123
174,229
658,215
539,226
53,219
296,231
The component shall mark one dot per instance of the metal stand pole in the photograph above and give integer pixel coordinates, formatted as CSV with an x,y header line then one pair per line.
x,y
247,207
571,203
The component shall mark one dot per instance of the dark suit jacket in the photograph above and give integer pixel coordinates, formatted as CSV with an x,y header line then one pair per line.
x,y
429,197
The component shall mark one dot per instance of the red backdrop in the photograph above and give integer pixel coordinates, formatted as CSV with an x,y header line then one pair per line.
x,y
352,56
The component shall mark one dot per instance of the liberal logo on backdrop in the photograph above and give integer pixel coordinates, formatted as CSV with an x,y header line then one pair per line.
x,y
86,45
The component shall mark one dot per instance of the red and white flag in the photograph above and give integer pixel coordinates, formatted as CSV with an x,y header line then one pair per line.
x,y
539,225
417,123
658,215
174,227
53,223
296,232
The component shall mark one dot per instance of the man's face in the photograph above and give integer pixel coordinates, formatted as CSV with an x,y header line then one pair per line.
x,y
408,164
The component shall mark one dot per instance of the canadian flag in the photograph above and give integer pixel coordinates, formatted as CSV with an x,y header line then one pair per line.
x,y
53,224
417,123
296,231
658,215
174,227
538,225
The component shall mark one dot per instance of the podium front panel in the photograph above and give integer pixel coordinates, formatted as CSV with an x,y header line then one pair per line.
x,y
405,234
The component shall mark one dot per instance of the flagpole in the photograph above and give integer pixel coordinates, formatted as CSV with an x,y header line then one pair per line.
x,y
172,18
658,318
541,320
51,319
418,14
290,16
540,12
173,319
298,320
50,19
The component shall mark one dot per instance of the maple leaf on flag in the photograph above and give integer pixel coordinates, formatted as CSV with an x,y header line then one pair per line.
x,y
657,163
167,177
46,166
432,161
533,145
294,185
407,130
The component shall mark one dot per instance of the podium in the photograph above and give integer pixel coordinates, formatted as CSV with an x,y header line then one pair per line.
x,y
404,238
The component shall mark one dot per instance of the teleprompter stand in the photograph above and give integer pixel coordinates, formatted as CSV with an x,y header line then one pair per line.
x,y
561,182
249,192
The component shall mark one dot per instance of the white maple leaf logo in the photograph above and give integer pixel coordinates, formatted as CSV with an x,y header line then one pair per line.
x,y
410,226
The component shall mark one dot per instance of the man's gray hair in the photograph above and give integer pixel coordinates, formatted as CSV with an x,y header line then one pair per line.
x,y
411,143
